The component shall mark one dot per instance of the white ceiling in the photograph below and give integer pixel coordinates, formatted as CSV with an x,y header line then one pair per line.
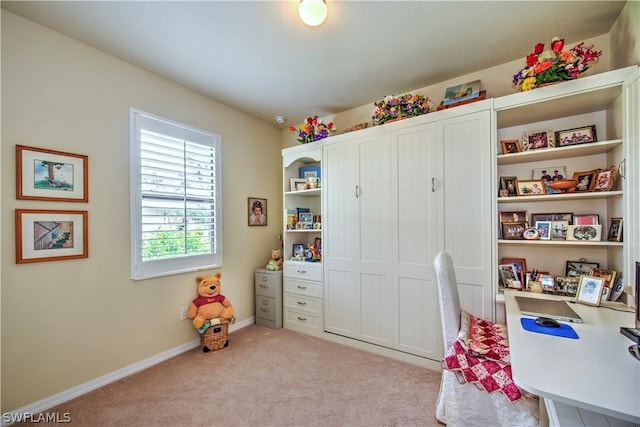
x,y
258,57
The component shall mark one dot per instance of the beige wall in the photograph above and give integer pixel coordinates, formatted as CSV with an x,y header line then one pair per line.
x,y
65,323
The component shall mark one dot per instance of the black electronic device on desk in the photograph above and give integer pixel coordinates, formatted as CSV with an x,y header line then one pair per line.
x,y
634,333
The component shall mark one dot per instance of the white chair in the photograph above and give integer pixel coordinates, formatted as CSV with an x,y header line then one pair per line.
x,y
464,404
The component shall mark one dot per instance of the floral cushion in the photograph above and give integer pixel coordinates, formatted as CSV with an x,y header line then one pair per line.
x,y
483,338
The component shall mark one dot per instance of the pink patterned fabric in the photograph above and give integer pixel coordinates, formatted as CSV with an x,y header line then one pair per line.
x,y
481,356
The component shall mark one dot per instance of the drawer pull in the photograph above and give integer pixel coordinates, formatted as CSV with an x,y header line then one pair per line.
x,y
302,303
264,279
303,319
302,271
302,287
266,310
264,286
265,302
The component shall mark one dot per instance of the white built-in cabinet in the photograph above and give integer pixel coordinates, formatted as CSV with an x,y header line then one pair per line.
x,y
392,197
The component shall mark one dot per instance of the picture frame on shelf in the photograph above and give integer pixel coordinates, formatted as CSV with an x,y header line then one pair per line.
x,y
615,230
590,290
544,229
461,92
556,216
257,211
538,139
567,284
509,276
530,187
575,136
307,171
513,230
580,267
510,146
548,282
609,276
513,216
605,179
559,230
520,265
590,219
584,233
297,251
354,128
44,174
51,235
531,234
586,181
305,217
549,173
295,182
508,183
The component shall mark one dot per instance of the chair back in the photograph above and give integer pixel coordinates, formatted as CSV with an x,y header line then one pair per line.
x,y
448,298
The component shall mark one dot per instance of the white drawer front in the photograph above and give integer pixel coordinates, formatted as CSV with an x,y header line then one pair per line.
x,y
303,270
303,287
308,305
303,322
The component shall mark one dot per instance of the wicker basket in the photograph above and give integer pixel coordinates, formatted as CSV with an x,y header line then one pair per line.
x,y
215,337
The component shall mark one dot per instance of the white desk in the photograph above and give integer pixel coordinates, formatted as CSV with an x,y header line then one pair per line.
x,y
595,372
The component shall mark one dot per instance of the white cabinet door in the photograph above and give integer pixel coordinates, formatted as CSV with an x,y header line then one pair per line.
x,y
631,183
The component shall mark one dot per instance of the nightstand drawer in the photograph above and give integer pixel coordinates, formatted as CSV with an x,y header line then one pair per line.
x,y
303,322
297,302
303,270
303,287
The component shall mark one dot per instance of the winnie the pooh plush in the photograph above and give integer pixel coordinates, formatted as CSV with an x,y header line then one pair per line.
x,y
209,304
275,263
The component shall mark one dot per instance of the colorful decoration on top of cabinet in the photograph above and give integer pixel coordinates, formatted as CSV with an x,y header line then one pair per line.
x,y
313,129
400,107
555,65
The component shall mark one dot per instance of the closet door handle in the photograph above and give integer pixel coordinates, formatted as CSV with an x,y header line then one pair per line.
x,y
433,184
357,191
621,168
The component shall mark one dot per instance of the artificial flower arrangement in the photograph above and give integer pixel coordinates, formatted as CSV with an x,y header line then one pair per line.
x,y
555,65
313,129
407,105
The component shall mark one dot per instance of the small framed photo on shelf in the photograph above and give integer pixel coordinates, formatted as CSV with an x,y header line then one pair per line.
x,y
591,219
513,216
586,181
538,139
559,230
548,282
560,216
532,187
305,217
508,183
298,184
580,267
510,146
567,285
576,136
609,276
549,173
605,179
544,229
298,251
307,171
513,230
590,290
584,233
520,264
615,230
509,277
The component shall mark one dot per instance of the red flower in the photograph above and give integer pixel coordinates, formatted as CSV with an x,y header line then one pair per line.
x,y
532,58
309,120
292,128
538,49
557,44
330,125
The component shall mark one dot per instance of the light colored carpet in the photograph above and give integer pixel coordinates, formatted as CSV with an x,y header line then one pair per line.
x,y
266,378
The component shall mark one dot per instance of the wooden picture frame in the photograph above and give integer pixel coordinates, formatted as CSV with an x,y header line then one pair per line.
x,y
509,277
609,276
520,265
508,183
510,146
590,290
580,267
538,139
556,216
44,174
513,230
615,230
605,179
567,285
513,216
257,211
575,136
586,181
549,173
585,233
51,235
530,187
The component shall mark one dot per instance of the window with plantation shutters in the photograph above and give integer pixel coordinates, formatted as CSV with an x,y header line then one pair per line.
x,y
175,198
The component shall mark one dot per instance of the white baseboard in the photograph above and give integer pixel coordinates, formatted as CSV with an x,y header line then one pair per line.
x,y
79,390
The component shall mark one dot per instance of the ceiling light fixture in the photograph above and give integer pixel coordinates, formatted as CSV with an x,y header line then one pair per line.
x,y
312,12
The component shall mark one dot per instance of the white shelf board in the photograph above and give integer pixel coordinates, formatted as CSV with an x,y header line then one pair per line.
x,y
559,152
304,193
565,243
561,196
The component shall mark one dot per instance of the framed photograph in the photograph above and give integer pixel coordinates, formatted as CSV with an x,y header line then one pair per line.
x,y
544,229
568,285
354,128
590,290
513,216
307,171
305,217
461,92
537,139
548,282
605,179
592,219
298,250
520,265
615,230
510,146
586,181
43,174
509,277
298,184
549,173
533,187
584,232
559,230
508,183
257,214
579,268
51,235
560,216
609,276
576,136
513,230
531,234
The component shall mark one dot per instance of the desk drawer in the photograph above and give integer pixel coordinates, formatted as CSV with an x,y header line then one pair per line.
x,y
303,270
303,287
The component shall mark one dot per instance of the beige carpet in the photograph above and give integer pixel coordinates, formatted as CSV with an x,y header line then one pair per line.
x,y
266,378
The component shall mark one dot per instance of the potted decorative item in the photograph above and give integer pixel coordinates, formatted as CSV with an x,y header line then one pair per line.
x,y
313,129
396,108
554,65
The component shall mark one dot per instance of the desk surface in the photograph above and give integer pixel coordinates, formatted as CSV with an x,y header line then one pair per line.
x,y
595,372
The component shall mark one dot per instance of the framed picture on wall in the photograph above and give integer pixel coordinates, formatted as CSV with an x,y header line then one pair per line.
x,y
257,211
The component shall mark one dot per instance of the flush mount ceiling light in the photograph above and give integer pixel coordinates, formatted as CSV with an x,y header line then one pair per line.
x,y
312,12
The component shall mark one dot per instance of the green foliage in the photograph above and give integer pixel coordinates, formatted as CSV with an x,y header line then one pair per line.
x,y
171,244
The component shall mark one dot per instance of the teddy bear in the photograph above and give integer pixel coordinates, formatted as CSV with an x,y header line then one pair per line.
x,y
275,263
210,303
